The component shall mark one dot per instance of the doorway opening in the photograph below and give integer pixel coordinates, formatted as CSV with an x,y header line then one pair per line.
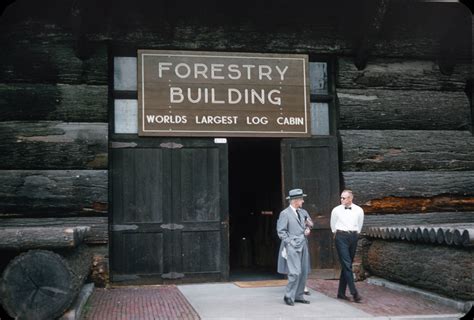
x,y
255,202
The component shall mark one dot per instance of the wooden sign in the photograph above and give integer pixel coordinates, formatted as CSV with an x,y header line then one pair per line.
x,y
185,93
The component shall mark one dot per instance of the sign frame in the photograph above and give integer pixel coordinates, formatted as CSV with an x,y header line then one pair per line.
x,y
279,82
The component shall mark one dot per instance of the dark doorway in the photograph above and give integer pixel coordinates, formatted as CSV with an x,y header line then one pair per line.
x,y
255,202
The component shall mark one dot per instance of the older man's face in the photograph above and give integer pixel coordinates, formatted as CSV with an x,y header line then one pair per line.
x,y
346,199
298,203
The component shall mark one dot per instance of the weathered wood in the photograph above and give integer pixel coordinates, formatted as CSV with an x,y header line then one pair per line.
x,y
379,150
69,103
401,74
53,145
47,61
412,191
407,220
44,282
403,110
22,238
53,192
446,270
98,233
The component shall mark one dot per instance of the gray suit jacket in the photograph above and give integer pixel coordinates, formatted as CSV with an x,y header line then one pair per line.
x,y
291,233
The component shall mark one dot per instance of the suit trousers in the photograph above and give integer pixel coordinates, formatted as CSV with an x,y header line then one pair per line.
x,y
297,272
346,245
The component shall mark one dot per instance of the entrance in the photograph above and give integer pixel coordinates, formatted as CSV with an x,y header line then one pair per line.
x,y
254,205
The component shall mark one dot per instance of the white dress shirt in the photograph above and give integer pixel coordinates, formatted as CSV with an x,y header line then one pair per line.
x,y
347,219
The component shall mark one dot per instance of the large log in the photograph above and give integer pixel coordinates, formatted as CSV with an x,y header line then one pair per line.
x,y
404,150
53,145
430,218
442,269
68,103
98,233
23,238
53,192
48,61
403,110
401,74
41,284
412,191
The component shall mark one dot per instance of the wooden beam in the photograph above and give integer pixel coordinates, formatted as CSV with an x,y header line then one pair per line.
x,y
403,110
404,150
412,191
61,102
23,238
32,193
53,145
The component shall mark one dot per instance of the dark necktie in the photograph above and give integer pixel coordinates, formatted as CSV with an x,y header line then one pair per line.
x,y
348,208
299,216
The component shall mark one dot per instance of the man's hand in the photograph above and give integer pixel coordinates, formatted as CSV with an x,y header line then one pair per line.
x,y
307,231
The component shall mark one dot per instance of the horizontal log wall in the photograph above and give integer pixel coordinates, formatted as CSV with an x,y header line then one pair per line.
x,y
53,145
431,267
405,150
412,191
63,102
403,110
37,193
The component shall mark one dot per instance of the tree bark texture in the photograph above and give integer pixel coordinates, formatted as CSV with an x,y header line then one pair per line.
x,y
41,284
60,102
431,218
407,150
401,74
403,110
442,269
53,145
412,191
98,233
31,193
22,238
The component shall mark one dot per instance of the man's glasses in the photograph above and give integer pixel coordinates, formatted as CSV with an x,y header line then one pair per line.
x,y
343,198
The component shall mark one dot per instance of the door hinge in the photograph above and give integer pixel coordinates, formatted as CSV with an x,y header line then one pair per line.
x,y
172,275
172,226
119,145
171,145
124,227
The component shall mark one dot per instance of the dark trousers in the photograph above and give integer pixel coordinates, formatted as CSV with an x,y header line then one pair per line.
x,y
346,245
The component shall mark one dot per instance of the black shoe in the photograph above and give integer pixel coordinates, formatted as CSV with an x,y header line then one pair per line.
x,y
357,298
342,297
288,301
302,301
307,293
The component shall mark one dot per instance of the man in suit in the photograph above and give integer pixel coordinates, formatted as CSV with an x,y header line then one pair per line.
x,y
346,224
293,258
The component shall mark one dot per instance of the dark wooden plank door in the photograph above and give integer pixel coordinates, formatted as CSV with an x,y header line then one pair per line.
x,y
169,211
312,164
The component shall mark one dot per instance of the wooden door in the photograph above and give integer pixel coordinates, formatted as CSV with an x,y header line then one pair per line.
x,y
312,164
169,219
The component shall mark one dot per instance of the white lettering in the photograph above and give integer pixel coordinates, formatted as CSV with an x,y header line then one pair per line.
x,y
234,69
216,68
174,91
163,66
187,70
200,69
262,73
282,72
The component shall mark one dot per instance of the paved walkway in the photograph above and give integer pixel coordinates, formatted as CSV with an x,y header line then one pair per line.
x,y
227,301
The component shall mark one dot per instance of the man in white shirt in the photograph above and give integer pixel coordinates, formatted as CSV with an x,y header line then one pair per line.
x,y
346,224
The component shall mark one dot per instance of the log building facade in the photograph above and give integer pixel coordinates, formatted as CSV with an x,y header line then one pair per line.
x,y
391,119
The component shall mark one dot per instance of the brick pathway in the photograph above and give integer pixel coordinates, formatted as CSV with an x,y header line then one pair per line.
x,y
138,303
381,301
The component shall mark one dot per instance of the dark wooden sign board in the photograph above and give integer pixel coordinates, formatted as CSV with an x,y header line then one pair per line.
x,y
189,93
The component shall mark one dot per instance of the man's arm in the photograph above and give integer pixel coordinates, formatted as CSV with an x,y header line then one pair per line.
x,y
333,220
282,228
